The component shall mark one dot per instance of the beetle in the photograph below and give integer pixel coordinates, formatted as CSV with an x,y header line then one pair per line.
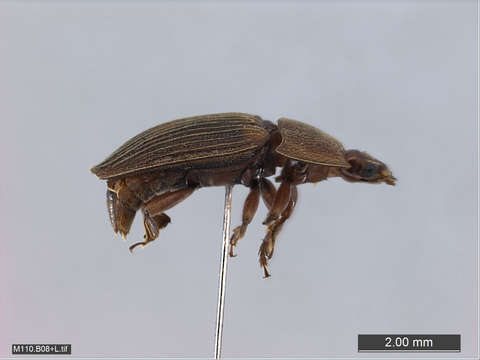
x,y
162,166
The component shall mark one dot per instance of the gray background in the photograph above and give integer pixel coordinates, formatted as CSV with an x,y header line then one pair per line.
x,y
395,78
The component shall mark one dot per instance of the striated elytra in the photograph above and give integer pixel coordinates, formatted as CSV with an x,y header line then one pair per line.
x,y
162,166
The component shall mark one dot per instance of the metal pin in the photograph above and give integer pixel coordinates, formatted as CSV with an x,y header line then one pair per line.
x,y
222,279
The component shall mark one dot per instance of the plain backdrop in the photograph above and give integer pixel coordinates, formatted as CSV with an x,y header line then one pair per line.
x,y
395,78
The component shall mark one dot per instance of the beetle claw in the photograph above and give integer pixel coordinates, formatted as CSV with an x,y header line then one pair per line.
x,y
133,246
142,243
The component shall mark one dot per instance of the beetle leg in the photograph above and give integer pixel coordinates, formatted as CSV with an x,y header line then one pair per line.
x,y
280,202
249,209
268,191
152,225
277,225
154,218
268,245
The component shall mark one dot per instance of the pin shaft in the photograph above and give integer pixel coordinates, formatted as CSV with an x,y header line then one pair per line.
x,y
223,271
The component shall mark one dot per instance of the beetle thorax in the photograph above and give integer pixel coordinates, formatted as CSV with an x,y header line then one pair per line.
x,y
316,173
298,172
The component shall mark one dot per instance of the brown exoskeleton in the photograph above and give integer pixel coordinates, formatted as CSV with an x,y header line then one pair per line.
x,y
162,166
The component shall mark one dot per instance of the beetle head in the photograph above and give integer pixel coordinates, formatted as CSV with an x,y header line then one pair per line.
x,y
365,168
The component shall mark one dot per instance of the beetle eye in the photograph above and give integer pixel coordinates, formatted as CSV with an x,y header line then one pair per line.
x,y
369,170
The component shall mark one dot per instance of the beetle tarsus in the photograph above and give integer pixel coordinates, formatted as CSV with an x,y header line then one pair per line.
x,y
265,252
238,233
249,209
264,264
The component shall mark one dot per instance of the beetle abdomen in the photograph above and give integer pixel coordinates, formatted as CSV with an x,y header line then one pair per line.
x,y
206,141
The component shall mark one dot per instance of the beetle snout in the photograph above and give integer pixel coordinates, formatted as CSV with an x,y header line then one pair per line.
x,y
388,177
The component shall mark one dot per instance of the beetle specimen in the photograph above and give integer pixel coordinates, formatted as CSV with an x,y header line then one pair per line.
x,y
162,166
